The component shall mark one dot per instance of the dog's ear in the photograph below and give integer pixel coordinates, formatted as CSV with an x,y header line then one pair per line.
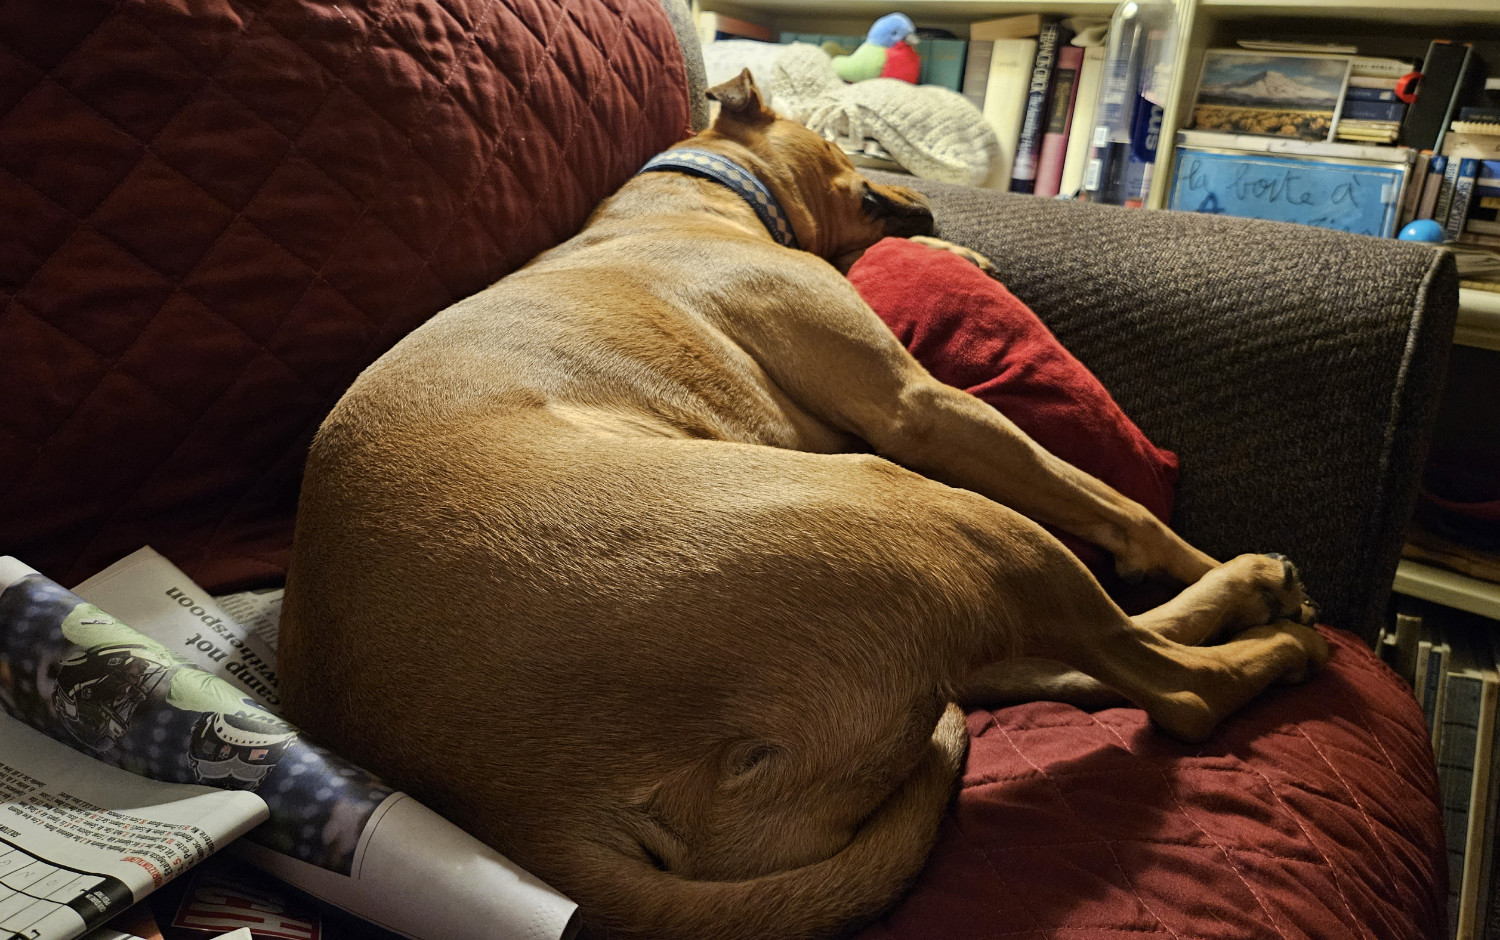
x,y
740,100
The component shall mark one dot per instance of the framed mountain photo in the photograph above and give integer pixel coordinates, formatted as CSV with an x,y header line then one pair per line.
x,y
1275,94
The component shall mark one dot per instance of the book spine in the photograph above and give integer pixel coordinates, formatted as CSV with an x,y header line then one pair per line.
x,y
1457,739
1474,894
1431,186
977,71
1005,101
1463,194
1356,110
1431,692
1029,144
943,62
1363,93
1411,200
1445,192
1085,108
1064,94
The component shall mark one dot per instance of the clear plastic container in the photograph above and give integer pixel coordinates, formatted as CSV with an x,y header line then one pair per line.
x,y
1137,78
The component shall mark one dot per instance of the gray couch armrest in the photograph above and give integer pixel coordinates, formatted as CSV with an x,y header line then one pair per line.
x,y
1294,370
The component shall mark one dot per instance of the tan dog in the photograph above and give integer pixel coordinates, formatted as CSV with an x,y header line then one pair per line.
x,y
597,564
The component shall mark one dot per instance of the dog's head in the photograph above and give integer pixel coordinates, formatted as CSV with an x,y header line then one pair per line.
x,y
836,212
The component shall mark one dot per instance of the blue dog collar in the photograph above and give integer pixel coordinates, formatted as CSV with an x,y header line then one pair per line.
x,y
725,171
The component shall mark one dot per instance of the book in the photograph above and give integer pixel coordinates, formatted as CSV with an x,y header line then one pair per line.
x,y
1301,48
1488,916
1085,109
942,62
977,71
1487,183
1029,143
332,829
1431,186
1005,101
1358,110
1385,91
1294,146
1468,673
1379,69
1411,198
1445,192
1478,146
715,26
1428,117
1434,686
1463,194
1023,26
1367,132
1062,97
1477,877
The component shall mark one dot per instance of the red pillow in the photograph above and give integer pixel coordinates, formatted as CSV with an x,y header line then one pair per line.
x,y
972,333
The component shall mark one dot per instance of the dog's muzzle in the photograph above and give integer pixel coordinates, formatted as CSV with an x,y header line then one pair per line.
x,y
901,217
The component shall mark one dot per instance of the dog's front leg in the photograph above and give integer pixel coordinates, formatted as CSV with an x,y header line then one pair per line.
x,y
829,351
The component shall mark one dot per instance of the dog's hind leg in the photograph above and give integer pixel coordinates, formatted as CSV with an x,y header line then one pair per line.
x,y
820,899
1248,591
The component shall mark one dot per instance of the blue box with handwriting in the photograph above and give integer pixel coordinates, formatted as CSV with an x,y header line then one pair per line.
x,y
1349,188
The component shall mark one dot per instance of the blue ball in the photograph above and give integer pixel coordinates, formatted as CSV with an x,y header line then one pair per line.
x,y
1422,230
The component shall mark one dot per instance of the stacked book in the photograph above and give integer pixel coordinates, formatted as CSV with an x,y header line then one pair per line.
x,y
1371,111
1037,80
1453,661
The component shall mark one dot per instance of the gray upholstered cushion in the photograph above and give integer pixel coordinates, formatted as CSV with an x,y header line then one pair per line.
x,y
1294,370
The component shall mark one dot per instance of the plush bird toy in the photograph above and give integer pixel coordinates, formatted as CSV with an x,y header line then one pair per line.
x,y
886,52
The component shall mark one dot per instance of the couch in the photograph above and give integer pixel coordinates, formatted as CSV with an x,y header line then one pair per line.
x,y
215,215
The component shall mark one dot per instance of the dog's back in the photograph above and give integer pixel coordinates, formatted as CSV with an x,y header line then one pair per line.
x,y
554,574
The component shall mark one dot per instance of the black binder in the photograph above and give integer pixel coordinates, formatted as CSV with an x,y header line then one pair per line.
x,y
1443,74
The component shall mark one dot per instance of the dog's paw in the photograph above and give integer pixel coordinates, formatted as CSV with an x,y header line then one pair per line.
x,y
1289,601
1310,648
968,254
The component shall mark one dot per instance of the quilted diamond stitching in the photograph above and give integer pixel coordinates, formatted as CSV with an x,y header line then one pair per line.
x,y
1109,846
207,63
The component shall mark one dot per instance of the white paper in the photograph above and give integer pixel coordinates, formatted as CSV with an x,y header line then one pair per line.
x,y
151,594
258,611
81,841
414,872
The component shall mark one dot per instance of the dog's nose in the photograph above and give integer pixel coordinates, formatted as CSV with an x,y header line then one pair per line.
x,y
909,219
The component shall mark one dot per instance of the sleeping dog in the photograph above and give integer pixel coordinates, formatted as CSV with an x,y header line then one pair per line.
x,y
660,565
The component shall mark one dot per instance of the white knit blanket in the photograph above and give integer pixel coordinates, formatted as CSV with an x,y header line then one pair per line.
x,y
933,132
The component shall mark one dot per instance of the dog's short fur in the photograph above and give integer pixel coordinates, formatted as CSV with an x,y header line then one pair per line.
x,y
599,564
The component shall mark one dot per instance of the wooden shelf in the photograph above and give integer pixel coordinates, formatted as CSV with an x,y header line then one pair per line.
x,y
1478,319
1448,588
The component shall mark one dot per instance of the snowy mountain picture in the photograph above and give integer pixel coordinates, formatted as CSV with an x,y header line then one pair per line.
x,y
1276,95
1272,81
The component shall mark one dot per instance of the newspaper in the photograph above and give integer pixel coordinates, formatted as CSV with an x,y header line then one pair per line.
x,y
374,852
81,841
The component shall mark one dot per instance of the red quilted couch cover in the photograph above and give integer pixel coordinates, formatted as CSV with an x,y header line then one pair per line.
x,y
1311,815
216,213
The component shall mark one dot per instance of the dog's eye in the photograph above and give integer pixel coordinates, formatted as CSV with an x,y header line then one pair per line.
x,y
871,202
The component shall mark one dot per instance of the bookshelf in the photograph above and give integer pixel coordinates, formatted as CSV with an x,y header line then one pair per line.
x,y
1379,27
1478,319
1448,588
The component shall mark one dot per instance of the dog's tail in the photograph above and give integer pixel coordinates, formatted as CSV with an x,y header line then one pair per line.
x,y
634,899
